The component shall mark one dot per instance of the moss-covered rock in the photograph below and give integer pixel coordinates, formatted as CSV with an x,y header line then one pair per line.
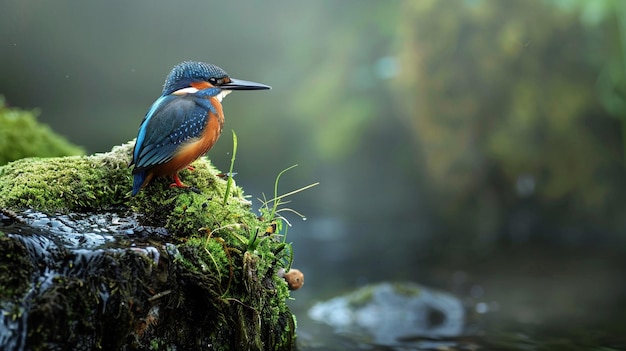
x,y
213,282
66,184
22,136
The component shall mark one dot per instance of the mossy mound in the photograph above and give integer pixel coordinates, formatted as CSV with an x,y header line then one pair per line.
x,y
66,184
213,284
22,136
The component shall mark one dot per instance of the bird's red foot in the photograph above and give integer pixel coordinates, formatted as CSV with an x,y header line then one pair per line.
x,y
191,168
177,183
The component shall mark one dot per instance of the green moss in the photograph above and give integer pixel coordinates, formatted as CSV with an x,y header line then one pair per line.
x,y
66,183
22,136
407,290
362,296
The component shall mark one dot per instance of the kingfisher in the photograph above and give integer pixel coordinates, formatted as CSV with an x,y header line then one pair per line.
x,y
184,122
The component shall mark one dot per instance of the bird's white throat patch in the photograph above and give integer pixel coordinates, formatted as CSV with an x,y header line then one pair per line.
x,y
191,90
223,94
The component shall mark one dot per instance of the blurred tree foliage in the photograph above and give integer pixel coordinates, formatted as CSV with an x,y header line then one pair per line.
x,y
611,82
502,98
509,103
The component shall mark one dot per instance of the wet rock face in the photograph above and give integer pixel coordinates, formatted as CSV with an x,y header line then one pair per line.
x,y
102,281
76,287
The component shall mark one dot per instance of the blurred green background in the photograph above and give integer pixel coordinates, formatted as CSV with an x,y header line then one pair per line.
x,y
445,134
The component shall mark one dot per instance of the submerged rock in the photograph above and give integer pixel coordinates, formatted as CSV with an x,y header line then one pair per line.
x,y
83,265
394,314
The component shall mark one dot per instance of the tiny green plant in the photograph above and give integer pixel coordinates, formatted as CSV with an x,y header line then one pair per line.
x,y
277,199
273,215
270,215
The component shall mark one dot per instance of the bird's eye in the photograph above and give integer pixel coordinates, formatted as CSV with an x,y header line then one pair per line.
x,y
213,80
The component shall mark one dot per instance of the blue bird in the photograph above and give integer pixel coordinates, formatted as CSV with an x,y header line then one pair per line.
x,y
184,122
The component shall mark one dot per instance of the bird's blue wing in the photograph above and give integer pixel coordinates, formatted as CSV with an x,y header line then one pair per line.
x,y
171,121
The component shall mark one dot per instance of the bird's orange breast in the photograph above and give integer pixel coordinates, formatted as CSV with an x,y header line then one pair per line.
x,y
194,148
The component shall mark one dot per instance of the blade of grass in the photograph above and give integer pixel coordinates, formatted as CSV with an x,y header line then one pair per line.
x,y
230,171
277,199
276,189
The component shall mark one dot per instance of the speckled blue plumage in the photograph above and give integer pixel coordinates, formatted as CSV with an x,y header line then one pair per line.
x,y
174,120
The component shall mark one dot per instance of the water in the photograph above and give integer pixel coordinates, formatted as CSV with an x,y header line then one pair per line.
x,y
535,296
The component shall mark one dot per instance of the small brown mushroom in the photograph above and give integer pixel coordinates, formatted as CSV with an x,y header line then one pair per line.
x,y
294,278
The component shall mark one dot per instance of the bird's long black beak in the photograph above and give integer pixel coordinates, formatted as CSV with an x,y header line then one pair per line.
x,y
238,84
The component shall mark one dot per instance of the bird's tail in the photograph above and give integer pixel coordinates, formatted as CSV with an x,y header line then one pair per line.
x,y
138,180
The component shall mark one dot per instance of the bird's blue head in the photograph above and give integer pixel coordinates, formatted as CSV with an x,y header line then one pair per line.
x,y
188,72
